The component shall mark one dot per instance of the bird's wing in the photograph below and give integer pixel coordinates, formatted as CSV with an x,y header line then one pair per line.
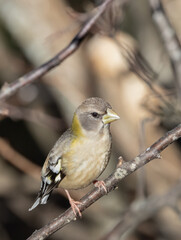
x,y
52,171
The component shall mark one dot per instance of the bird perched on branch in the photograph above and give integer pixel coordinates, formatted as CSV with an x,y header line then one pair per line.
x,y
81,154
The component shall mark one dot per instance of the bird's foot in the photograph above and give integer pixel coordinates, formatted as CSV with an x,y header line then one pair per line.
x,y
75,208
100,184
74,204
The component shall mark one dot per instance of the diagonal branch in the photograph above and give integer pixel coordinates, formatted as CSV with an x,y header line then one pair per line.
x,y
9,89
123,169
18,160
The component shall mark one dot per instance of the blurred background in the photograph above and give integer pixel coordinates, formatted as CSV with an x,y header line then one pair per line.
x,y
124,61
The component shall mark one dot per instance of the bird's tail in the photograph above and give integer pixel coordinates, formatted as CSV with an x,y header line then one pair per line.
x,y
48,183
40,200
44,193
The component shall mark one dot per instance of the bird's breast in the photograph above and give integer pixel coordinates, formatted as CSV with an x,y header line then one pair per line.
x,y
85,161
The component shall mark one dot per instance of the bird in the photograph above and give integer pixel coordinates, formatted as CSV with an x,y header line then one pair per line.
x,y
81,154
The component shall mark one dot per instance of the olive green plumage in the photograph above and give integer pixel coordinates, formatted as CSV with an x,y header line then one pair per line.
x,y
82,152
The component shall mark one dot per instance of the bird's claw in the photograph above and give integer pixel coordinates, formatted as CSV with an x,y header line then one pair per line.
x,y
100,184
75,208
74,204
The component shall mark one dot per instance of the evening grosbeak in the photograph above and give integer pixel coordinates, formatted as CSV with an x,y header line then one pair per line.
x,y
82,152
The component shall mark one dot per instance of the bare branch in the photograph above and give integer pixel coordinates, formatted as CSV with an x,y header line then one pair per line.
x,y
170,39
140,67
9,89
19,161
111,182
31,115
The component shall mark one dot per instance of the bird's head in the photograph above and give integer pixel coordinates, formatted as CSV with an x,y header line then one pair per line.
x,y
92,116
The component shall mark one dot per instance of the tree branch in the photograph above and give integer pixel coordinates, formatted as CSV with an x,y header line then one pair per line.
x,y
31,115
9,89
123,169
140,67
18,160
170,39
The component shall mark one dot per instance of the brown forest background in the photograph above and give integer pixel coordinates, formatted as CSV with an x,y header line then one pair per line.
x,y
132,59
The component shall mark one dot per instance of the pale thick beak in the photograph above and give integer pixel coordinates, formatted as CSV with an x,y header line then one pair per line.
x,y
110,116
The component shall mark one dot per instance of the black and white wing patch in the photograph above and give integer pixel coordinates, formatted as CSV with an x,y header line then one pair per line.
x,y
50,180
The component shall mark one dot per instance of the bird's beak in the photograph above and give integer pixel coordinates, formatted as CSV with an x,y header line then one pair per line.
x,y
110,116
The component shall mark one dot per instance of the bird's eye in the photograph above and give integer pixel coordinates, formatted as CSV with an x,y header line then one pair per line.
x,y
95,114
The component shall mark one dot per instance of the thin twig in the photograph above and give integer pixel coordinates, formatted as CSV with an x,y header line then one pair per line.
x,y
170,39
111,182
9,89
18,160
31,115
140,67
